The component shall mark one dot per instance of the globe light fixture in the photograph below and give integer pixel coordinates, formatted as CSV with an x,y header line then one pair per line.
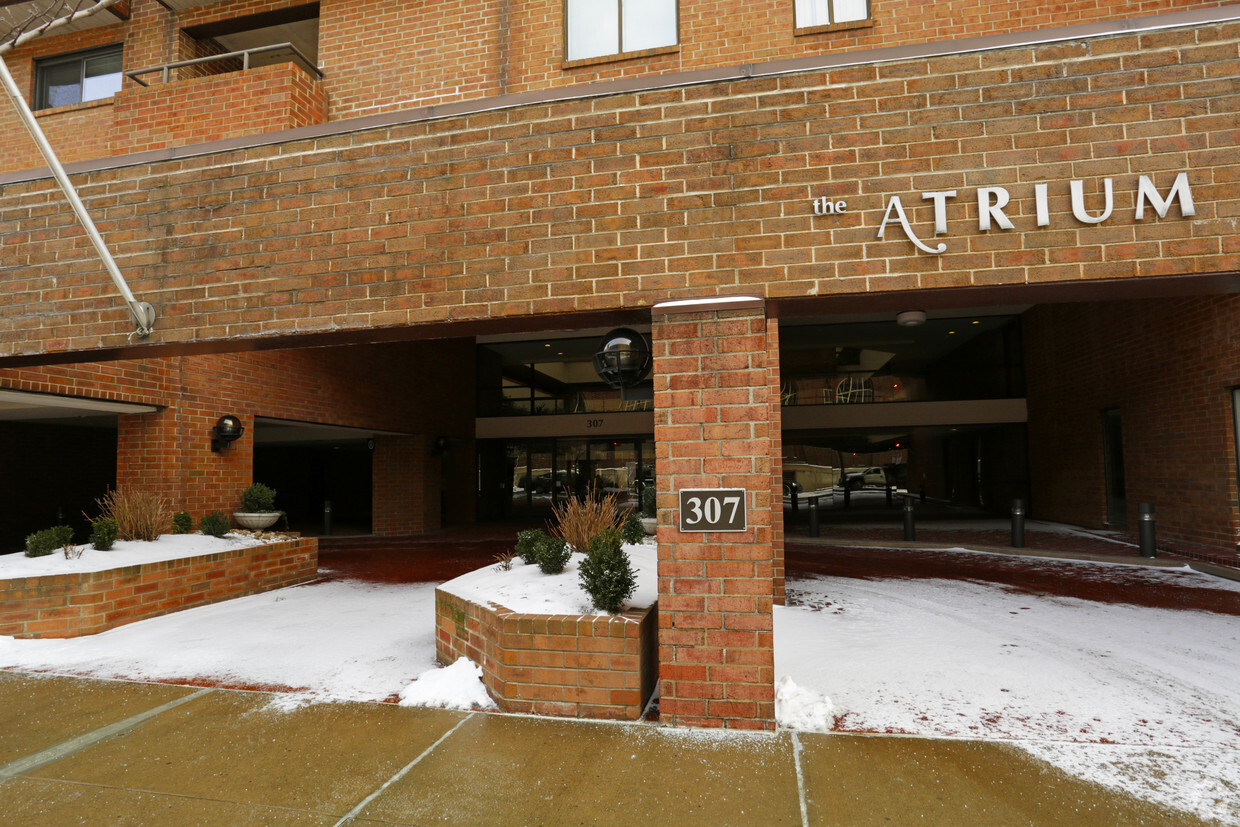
x,y
228,429
623,359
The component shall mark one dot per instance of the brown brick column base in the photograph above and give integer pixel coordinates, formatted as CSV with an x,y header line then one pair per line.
x,y
713,429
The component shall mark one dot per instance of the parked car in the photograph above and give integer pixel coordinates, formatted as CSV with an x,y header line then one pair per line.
x,y
873,477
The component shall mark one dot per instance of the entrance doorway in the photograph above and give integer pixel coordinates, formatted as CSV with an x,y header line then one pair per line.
x,y
524,478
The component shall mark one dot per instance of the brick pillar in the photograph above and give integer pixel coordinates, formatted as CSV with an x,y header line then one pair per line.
x,y
713,429
405,480
775,428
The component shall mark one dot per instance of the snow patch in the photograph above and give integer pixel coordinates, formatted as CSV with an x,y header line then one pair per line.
x,y
124,553
799,708
458,686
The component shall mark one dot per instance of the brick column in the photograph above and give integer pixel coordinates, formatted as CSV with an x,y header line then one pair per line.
x,y
713,429
405,480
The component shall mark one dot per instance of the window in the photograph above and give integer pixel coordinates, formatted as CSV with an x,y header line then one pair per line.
x,y
83,76
820,13
599,28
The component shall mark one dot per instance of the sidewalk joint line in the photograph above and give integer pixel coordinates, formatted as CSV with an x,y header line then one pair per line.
x,y
81,742
796,758
352,814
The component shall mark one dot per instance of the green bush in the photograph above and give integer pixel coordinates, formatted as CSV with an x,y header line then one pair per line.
x,y
553,555
258,498
606,573
43,543
215,524
182,523
650,506
632,530
103,533
528,544
535,548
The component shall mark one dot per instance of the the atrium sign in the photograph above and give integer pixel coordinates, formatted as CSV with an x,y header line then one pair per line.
x,y
991,202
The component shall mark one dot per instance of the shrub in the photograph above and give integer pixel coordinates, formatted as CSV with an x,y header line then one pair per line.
x,y
139,515
579,520
43,543
650,505
550,554
103,533
553,555
258,498
182,523
529,543
215,524
632,530
606,573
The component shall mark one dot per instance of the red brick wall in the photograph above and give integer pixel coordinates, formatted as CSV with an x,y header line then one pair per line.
x,y
214,107
625,200
579,666
379,57
716,590
384,387
1168,366
71,605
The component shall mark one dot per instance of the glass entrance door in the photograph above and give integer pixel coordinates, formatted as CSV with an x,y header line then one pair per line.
x,y
534,474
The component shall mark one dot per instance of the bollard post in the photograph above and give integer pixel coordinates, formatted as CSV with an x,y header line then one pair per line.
x,y
813,516
847,496
795,498
327,518
1018,523
910,520
1145,529
890,490
923,492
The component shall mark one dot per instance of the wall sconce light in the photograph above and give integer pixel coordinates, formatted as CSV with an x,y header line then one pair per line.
x,y
228,429
623,359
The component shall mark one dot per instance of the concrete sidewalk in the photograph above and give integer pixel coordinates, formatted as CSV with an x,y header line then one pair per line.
x,y
75,750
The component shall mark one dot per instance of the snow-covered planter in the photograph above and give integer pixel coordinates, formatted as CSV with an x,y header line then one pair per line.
x,y
542,649
56,597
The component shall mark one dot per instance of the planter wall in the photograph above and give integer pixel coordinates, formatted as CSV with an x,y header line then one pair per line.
x,y
71,605
584,666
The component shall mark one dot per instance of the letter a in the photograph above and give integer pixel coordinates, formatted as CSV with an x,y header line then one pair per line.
x,y
894,206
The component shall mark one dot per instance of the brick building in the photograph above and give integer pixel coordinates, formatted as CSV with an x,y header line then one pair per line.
x,y
390,238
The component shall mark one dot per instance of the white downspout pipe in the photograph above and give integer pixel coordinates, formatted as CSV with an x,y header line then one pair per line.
x,y
143,313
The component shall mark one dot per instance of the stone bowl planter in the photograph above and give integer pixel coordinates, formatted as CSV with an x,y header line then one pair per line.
x,y
650,525
256,520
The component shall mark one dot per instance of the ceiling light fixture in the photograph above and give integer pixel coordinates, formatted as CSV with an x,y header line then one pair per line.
x,y
911,318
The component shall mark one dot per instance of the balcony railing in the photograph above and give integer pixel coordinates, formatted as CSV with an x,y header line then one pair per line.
x,y
165,70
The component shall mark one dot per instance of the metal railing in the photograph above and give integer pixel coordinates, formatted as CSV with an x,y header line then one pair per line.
x,y
165,70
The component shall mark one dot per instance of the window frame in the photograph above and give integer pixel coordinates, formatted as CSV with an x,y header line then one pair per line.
x,y
622,54
80,57
866,22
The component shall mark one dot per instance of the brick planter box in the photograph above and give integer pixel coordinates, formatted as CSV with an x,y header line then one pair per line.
x,y
584,666
86,603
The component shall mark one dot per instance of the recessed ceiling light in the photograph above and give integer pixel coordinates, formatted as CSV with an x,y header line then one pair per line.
x,y
951,333
975,321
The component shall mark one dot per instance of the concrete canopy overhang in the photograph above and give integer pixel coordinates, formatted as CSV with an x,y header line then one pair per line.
x,y
27,406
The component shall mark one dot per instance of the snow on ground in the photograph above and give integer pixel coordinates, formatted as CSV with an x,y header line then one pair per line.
x,y
525,589
1142,699
125,553
1146,700
330,641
